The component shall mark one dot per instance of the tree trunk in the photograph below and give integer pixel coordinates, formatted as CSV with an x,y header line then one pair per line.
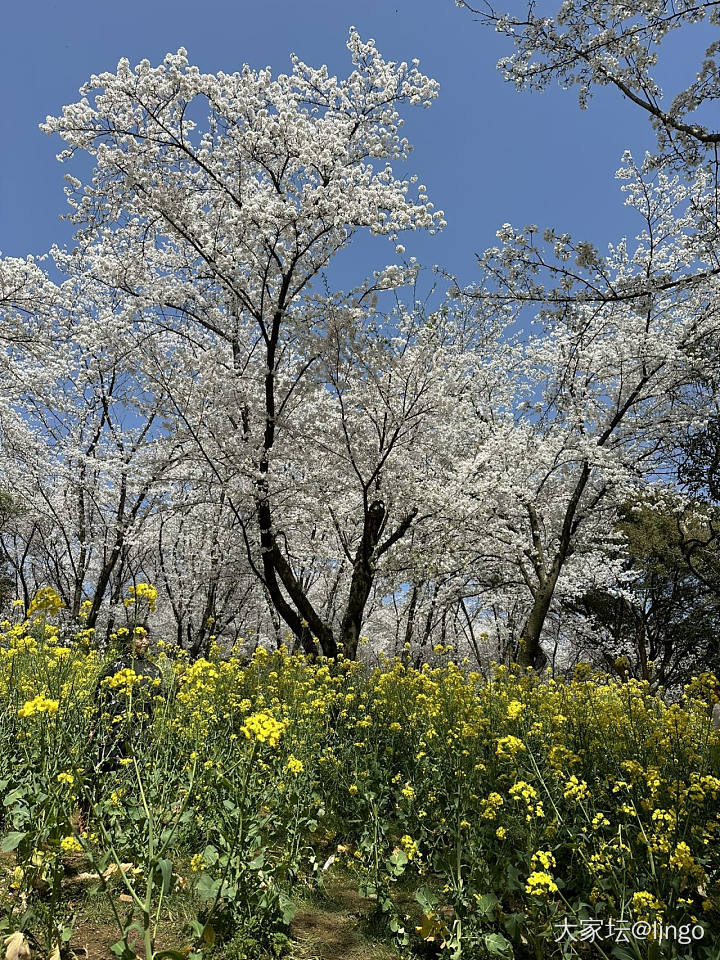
x,y
405,655
362,579
530,653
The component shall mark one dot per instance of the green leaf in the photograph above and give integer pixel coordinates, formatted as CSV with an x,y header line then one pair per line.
x,y
513,923
14,796
12,841
486,904
427,898
397,862
206,887
121,949
288,908
513,881
210,854
497,946
165,836
166,868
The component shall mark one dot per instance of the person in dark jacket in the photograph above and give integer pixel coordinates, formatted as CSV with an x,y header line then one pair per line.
x,y
124,704
125,698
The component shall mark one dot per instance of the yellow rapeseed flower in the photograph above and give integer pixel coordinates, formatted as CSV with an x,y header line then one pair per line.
x,y
540,884
264,728
39,704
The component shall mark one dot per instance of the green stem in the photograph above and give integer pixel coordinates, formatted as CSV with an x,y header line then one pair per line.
x,y
236,838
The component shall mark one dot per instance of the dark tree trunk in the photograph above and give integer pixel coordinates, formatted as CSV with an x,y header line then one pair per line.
x,y
530,653
362,578
410,626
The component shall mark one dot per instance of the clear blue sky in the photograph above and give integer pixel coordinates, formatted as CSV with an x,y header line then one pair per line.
x,y
487,153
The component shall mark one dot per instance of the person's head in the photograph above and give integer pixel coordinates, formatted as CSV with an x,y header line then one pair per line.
x,y
139,642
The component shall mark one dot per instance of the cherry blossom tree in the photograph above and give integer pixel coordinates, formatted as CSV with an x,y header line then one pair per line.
x,y
625,336
80,447
617,45
215,235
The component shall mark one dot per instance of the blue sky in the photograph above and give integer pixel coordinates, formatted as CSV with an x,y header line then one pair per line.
x,y
487,153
